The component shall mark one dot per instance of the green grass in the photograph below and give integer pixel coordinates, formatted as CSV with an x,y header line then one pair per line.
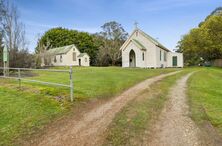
x,y
205,94
21,112
95,82
130,124
24,111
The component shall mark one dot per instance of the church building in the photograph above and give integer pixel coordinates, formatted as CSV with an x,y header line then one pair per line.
x,y
141,50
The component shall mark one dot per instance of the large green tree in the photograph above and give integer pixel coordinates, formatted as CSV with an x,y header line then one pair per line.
x,y
203,43
58,37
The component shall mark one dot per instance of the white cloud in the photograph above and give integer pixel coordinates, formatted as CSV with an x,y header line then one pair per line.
x,y
38,24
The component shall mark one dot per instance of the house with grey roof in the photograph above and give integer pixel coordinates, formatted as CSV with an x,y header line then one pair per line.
x,y
141,50
65,56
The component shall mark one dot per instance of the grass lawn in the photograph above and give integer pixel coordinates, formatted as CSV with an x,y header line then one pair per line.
x,y
129,126
96,82
205,92
22,112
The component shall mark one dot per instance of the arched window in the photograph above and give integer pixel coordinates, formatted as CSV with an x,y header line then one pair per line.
x,y
143,56
55,59
60,58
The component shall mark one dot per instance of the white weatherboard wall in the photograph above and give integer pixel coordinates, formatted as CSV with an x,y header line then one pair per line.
x,y
149,52
141,43
70,58
67,59
138,54
84,60
179,59
160,61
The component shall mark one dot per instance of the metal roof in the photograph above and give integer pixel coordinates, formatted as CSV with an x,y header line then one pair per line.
x,y
82,54
59,50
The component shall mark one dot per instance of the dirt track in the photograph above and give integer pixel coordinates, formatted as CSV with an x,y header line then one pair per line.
x,y
89,129
175,127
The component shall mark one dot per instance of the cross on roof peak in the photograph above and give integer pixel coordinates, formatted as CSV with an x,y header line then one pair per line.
x,y
136,24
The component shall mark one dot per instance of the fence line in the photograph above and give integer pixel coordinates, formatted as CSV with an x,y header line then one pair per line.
x,y
19,78
30,69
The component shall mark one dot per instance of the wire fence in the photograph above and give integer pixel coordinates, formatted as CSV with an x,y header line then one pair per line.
x,y
5,74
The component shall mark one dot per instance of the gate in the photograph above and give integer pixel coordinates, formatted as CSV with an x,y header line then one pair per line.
x,y
20,79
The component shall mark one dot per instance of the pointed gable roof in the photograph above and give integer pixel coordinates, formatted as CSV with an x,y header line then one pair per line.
x,y
142,46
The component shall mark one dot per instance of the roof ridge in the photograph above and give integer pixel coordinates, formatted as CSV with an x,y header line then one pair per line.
x,y
62,46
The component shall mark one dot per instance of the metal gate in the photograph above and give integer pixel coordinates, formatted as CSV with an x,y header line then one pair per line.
x,y
19,77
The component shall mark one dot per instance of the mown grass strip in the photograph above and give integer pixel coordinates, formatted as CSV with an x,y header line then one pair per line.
x,y
134,120
205,97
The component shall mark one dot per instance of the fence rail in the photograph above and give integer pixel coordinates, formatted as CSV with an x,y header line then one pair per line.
x,y
19,77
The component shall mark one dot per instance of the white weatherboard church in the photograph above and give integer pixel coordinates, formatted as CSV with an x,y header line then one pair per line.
x,y
65,56
141,50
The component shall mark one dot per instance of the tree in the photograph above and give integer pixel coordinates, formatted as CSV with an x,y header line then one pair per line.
x,y
1,42
1,51
58,37
212,29
216,12
113,36
13,29
13,35
203,43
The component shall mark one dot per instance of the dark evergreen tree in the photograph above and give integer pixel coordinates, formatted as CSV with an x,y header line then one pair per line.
x,y
58,37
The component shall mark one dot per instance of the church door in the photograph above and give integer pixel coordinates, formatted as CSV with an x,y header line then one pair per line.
x,y
132,59
174,61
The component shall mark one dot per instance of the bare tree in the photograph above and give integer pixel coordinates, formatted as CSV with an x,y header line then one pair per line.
x,y
114,36
13,35
13,30
41,53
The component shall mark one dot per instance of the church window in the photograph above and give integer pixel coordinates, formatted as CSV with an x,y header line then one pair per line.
x,y
55,59
74,56
160,55
165,56
60,58
143,56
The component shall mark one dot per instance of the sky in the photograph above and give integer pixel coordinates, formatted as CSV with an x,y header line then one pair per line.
x,y
165,20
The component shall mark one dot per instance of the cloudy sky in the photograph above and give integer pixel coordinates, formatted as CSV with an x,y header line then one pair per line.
x,y
166,20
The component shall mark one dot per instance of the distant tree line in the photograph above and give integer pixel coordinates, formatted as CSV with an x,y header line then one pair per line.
x,y
204,43
12,35
102,47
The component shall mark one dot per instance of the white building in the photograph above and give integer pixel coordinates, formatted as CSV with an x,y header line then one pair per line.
x,y
65,56
141,50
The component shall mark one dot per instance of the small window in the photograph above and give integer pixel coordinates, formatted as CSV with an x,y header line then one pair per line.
x,y
160,55
74,49
55,59
74,56
85,59
143,56
165,56
60,58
